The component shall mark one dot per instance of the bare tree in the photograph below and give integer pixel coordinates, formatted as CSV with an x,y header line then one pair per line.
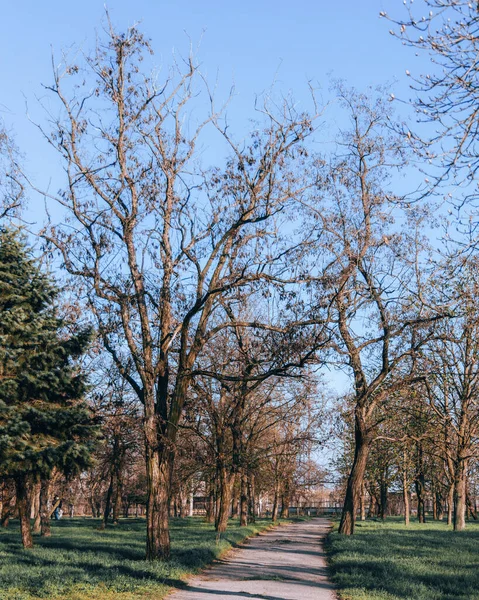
x,y
453,364
12,184
445,99
369,268
156,240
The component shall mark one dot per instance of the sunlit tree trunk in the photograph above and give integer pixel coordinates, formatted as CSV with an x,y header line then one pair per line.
x,y
36,491
362,503
450,504
45,507
210,503
460,493
224,496
23,511
356,476
405,492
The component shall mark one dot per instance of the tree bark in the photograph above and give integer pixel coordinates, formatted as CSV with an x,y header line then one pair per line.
x,y
157,517
460,494
106,513
36,490
405,492
251,499
23,511
471,507
284,505
420,488
384,500
117,497
210,504
244,498
356,477
8,505
235,499
224,493
372,505
450,504
276,500
362,502
420,485
439,506
45,508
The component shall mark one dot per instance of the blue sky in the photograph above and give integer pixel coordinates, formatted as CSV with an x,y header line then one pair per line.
x,y
250,44
248,40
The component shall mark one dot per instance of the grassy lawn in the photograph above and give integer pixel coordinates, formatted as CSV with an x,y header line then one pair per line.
x,y
422,562
79,562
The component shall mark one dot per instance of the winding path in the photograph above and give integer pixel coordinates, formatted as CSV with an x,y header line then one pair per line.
x,y
286,563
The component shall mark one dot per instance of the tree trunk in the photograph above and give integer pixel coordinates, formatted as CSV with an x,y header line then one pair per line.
x,y
434,502
244,498
450,504
157,521
45,508
251,499
421,509
284,505
372,505
356,477
210,504
471,507
224,498
106,513
8,506
384,500
36,490
362,502
93,507
117,498
420,486
405,493
460,494
191,503
274,516
440,506
235,499
23,511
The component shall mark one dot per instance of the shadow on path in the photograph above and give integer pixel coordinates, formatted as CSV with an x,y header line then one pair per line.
x,y
286,563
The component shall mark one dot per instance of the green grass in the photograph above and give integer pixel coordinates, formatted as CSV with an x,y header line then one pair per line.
x,y
387,561
80,562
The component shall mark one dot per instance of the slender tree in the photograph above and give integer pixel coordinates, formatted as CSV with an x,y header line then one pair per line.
x,y
157,240
368,272
453,364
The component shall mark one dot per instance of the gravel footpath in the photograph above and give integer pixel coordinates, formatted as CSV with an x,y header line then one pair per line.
x,y
286,563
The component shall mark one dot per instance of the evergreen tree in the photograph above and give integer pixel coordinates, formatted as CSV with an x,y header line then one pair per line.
x,y
44,422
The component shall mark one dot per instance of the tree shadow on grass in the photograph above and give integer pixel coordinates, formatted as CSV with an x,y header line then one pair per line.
x,y
77,553
426,564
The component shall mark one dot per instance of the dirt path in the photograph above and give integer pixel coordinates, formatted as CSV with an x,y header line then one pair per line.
x,y
286,563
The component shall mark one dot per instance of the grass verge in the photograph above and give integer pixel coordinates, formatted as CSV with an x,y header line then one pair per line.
x,y
80,562
388,561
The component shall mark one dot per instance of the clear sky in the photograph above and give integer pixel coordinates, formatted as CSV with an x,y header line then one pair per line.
x,y
250,43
